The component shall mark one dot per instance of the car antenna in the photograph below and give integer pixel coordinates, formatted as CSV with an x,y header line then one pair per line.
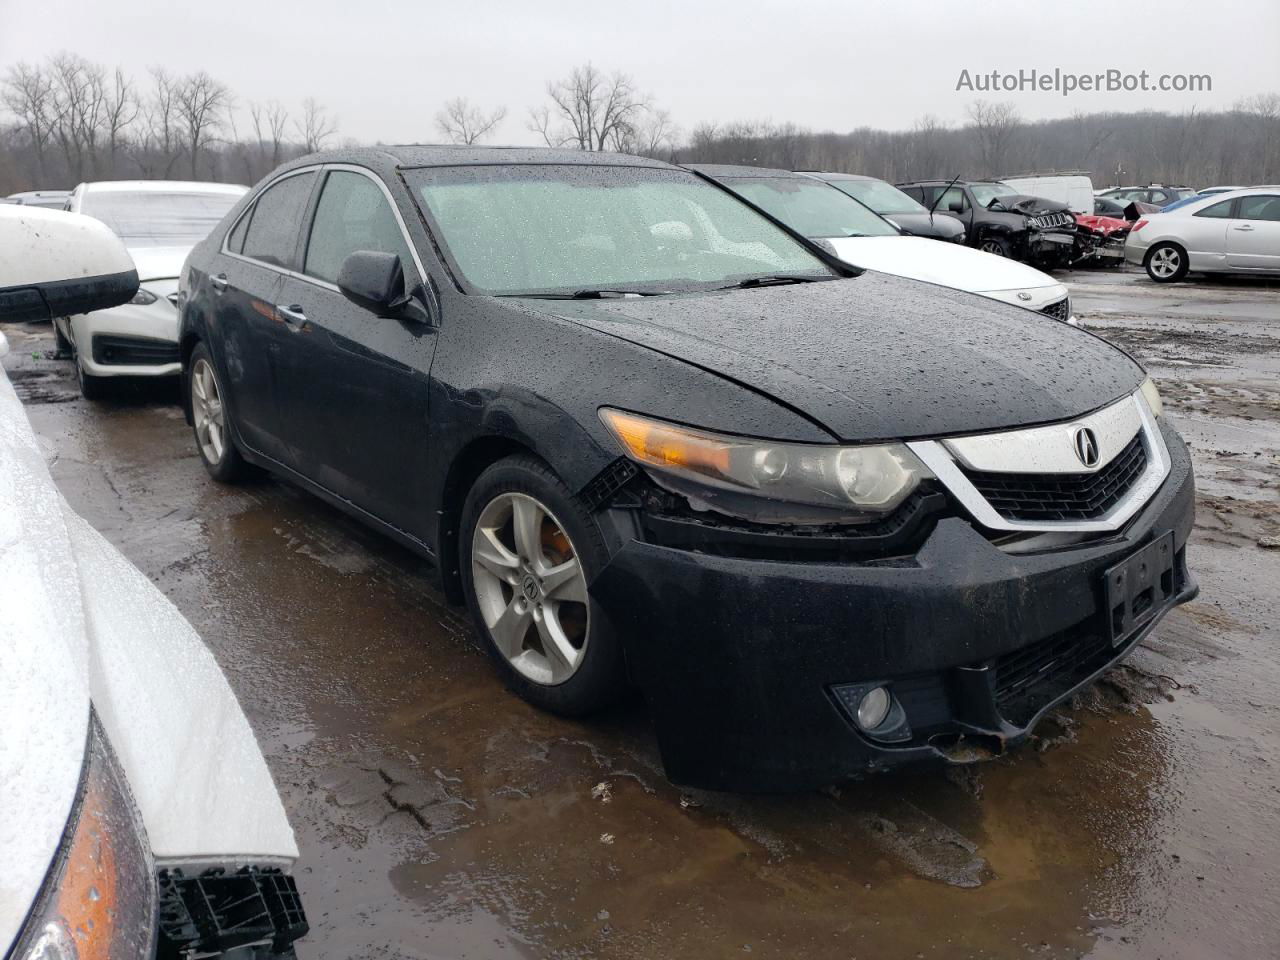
x,y
942,192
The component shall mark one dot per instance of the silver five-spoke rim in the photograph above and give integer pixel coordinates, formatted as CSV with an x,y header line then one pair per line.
x,y
530,587
206,411
1165,262
990,246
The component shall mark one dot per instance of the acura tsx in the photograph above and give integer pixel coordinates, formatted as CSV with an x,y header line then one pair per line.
x,y
827,520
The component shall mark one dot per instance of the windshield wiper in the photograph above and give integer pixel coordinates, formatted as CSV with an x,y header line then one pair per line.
x,y
590,294
772,280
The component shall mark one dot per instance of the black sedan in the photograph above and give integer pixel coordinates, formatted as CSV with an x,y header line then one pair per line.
x,y
910,216
827,521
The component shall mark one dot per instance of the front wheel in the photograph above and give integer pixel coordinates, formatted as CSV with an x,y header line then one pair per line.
x,y
1166,263
92,388
996,246
210,421
527,551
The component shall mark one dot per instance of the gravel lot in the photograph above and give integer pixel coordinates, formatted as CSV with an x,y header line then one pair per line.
x,y
439,816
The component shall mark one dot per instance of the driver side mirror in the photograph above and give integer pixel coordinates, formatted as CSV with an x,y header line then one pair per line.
x,y
373,280
58,264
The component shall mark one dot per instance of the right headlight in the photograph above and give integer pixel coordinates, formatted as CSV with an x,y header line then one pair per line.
x,y
768,481
99,899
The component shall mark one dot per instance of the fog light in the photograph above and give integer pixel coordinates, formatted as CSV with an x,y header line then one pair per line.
x,y
873,708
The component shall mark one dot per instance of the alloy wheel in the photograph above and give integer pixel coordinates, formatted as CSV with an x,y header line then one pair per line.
x,y
207,412
1165,262
530,588
991,246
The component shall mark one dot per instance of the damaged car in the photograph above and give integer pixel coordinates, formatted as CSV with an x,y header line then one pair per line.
x,y
138,818
858,236
1001,221
828,521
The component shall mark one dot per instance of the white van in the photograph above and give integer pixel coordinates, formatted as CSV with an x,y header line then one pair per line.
x,y
1073,189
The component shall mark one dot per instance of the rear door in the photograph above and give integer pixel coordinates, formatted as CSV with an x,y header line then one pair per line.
x,y
247,279
1253,237
353,384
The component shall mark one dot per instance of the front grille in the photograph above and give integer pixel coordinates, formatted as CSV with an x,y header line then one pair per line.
x,y
1059,309
133,351
1048,221
1063,496
1032,676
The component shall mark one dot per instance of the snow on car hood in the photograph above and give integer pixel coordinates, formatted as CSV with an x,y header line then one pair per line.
x,y
156,263
946,264
80,624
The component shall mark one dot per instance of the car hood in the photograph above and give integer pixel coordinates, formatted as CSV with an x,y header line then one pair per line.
x,y
80,624
946,264
877,357
1029,205
155,263
938,224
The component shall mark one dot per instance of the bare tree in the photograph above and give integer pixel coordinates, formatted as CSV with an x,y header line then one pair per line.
x,y
592,111
201,104
995,125
27,93
315,127
655,136
120,110
160,145
79,98
463,122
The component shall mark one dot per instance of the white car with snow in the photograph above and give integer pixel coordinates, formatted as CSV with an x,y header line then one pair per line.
x,y
138,819
1233,232
858,235
159,222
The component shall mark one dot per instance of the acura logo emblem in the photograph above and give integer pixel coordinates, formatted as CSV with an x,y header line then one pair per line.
x,y
1086,444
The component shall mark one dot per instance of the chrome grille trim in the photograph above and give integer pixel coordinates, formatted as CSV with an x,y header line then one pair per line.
x,y
936,455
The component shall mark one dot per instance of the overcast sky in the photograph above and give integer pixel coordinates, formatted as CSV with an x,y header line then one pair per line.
x,y
384,68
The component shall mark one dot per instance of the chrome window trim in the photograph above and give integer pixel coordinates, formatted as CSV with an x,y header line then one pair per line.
x,y
298,275
936,456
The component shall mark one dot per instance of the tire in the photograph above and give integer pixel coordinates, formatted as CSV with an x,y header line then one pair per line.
x,y
63,346
1166,263
557,652
210,420
92,388
996,246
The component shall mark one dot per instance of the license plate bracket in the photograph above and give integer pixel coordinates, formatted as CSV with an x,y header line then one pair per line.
x,y
1139,588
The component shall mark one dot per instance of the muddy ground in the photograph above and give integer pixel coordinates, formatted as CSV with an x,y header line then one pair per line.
x,y
439,816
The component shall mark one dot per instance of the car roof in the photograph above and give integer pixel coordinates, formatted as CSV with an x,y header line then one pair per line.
x,y
718,170
38,193
828,175
161,186
388,158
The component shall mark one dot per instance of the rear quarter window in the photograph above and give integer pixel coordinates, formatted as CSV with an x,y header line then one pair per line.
x,y
272,235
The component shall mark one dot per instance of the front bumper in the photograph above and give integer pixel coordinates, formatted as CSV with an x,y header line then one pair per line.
x,y
1050,246
738,657
132,340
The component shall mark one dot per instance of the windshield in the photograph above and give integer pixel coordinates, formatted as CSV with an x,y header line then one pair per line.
x,y
152,218
811,208
984,193
544,228
883,198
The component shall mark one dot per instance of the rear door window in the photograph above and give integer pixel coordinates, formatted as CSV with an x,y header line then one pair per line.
x,y
272,236
353,214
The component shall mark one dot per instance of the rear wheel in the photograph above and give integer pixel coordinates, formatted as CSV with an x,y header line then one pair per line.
x,y
210,421
527,552
1166,263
